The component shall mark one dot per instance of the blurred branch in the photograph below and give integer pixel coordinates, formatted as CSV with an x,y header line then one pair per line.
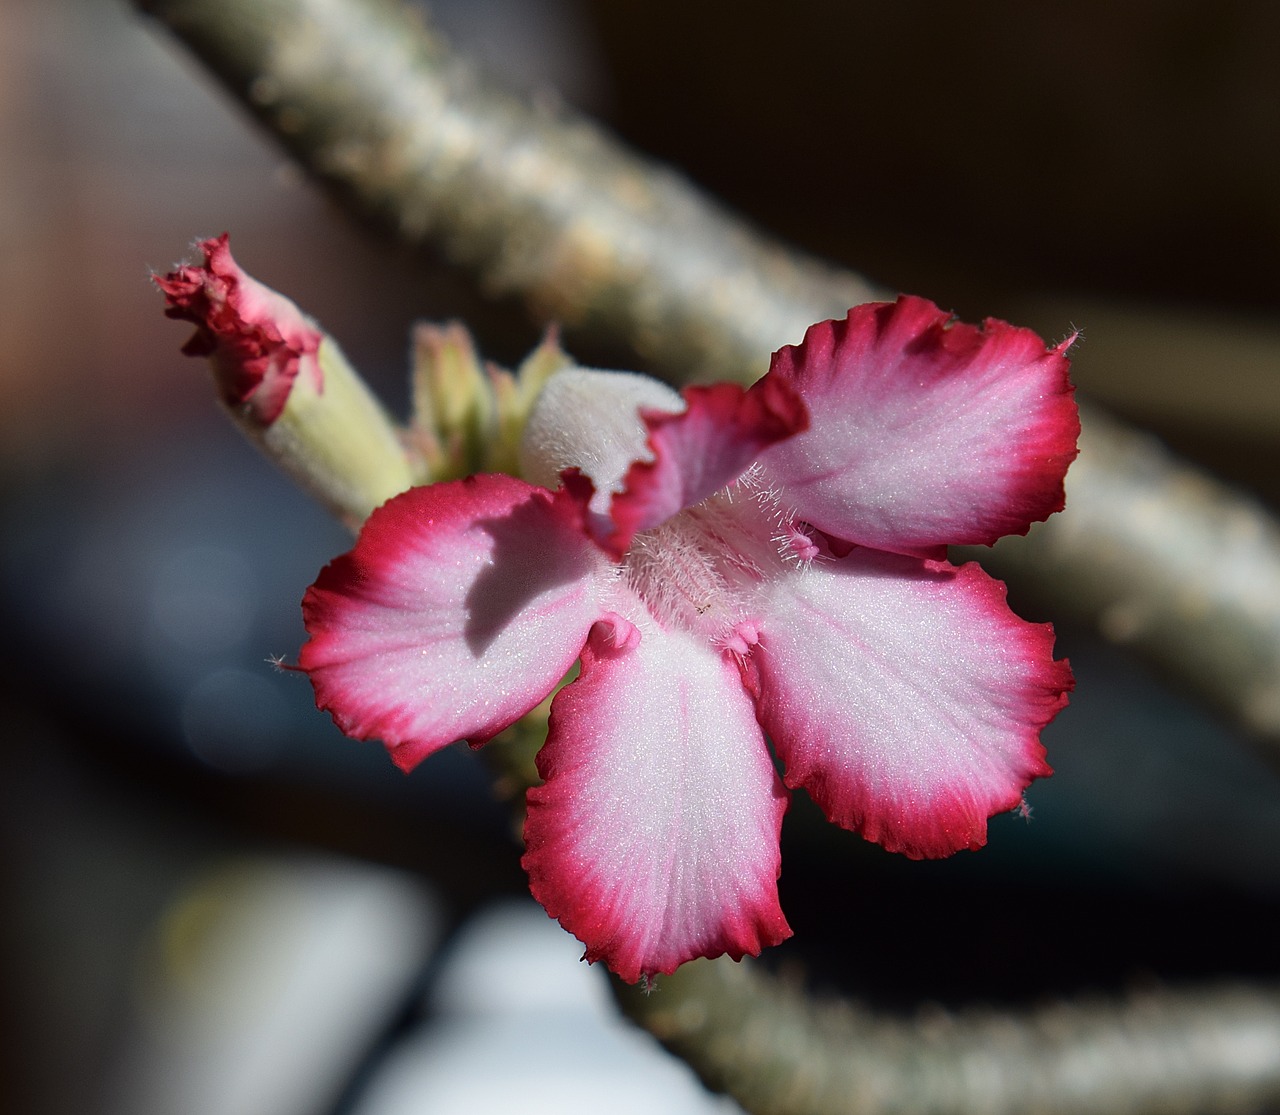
x,y
1161,557
545,205
1159,1053
536,201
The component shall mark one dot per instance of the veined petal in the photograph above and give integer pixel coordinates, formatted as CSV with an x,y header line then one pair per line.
x,y
924,432
905,696
654,839
459,609
704,448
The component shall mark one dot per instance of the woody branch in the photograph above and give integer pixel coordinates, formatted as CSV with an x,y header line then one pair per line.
x,y
545,205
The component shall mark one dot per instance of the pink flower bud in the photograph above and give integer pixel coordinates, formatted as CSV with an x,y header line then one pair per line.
x,y
287,385
257,340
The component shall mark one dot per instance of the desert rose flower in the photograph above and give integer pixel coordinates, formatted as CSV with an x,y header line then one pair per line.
x,y
287,384
730,567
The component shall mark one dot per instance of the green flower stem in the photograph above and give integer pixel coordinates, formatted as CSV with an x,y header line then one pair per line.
x,y
337,442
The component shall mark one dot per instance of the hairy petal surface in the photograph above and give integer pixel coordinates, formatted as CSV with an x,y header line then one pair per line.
x,y
459,609
924,431
701,450
589,421
654,839
905,696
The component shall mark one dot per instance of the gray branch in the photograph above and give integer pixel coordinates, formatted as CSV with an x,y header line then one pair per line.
x,y
534,200
1159,556
1158,1053
543,204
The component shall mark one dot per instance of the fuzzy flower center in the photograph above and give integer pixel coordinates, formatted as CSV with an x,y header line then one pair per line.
x,y
700,570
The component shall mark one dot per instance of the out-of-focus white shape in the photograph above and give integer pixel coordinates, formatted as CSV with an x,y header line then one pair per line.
x,y
520,1025
270,980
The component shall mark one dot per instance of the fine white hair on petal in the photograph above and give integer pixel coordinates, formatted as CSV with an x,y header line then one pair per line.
x,y
790,532
678,576
699,570
590,420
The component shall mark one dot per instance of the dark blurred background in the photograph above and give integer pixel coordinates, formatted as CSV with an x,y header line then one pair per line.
x,y
1109,167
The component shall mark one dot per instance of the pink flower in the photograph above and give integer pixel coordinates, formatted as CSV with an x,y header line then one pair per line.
x,y
727,566
257,339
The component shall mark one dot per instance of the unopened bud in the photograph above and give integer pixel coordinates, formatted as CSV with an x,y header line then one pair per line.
x,y
469,416
287,385
516,395
453,406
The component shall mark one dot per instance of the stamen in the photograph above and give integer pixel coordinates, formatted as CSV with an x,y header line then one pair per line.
x,y
743,637
796,543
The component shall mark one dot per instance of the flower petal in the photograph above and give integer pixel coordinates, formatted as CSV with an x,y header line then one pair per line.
x,y
905,696
655,837
459,609
924,432
589,421
704,448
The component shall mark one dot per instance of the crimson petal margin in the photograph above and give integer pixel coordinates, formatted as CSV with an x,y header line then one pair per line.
x,y
924,431
258,338
654,839
905,696
459,609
